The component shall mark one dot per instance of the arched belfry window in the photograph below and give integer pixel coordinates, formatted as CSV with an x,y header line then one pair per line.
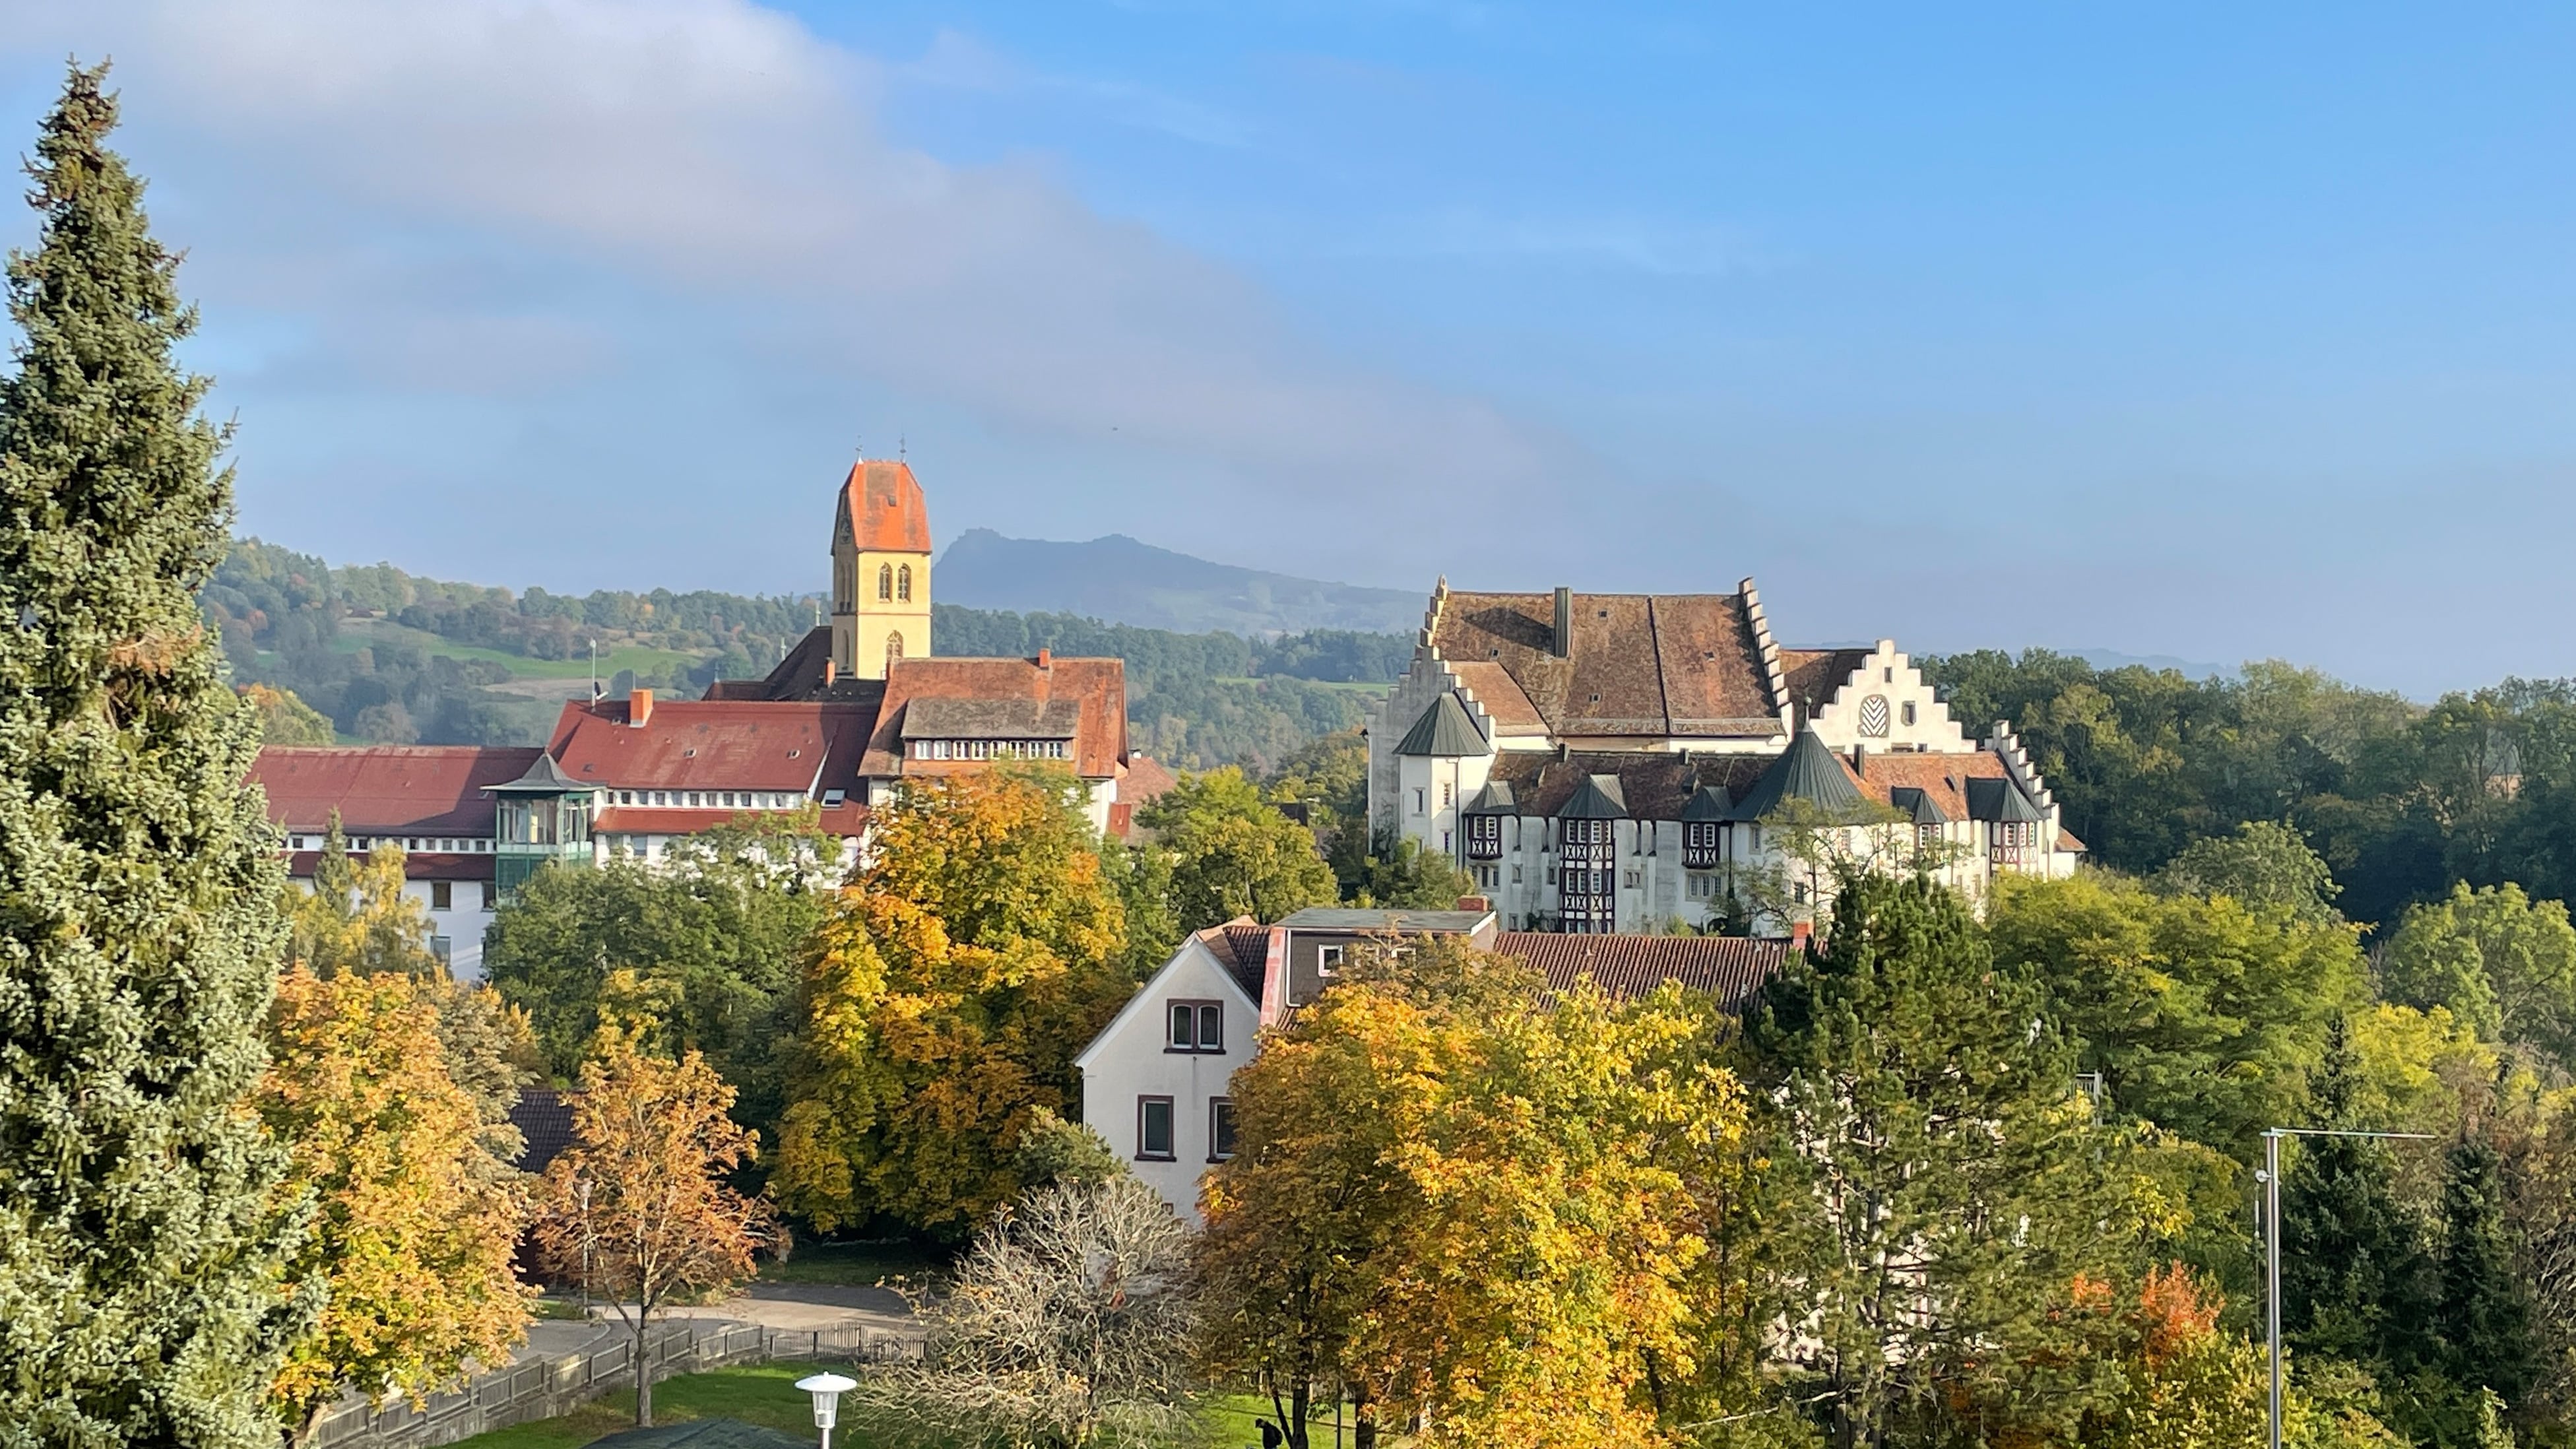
x,y
894,646
885,581
903,584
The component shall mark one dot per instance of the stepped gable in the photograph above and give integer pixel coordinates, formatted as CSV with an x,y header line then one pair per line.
x,y
1642,665
1814,676
1651,786
1091,693
1731,968
881,509
388,789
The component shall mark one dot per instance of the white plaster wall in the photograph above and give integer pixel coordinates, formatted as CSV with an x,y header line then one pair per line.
x,y
1888,672
1130,1059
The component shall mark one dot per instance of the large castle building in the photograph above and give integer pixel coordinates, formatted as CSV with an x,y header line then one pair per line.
x,y
1623,762
857,707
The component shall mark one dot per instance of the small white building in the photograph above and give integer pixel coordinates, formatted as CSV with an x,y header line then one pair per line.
x,y
1157,1081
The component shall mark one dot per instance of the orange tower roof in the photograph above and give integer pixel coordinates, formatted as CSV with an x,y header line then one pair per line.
x,y
881,508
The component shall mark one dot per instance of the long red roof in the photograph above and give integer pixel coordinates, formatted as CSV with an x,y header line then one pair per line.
x,y
714,745
1732,968
387,789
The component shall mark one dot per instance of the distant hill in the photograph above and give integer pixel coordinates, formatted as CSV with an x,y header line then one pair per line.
x,y
1121,581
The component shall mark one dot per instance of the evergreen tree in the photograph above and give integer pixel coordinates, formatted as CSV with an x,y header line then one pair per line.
x,y
2357,1281
2485,1309
142,1297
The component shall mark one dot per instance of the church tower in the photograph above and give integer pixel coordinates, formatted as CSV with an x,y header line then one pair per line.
x,y
880,570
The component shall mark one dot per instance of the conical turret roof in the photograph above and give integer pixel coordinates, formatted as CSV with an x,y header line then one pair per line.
x,y
1809,771
1597,798
1445,731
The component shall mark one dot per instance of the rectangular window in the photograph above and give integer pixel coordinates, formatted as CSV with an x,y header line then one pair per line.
x,y
1195,1026
1154,1129
1516,875
1220,1129
441,895
1444,842
1630,880
1329,959
1417,801
1445,795
491,893
439,946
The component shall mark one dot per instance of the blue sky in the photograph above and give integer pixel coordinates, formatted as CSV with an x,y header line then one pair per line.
x,y
2218,332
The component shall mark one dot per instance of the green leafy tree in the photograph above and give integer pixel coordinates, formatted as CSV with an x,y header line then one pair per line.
x,y
143,1295
286,720
1233,853
2201,1015
2502,962
2264,866
1955,1188
714,934
1402,875
2486,1320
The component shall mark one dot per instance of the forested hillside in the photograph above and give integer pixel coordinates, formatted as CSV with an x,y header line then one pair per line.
x,y
2401,799
391,657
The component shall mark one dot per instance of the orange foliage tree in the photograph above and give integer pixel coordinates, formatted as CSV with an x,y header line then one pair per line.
x,y
414,1228
970,959
636,1209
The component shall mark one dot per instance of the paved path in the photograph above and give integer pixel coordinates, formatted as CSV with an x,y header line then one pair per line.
x,y
803,1307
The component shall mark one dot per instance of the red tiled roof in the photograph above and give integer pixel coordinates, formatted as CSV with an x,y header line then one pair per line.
x,y
1815,676
1098,686
1635,664
2066,841
881,508
387,789
1943,777
718,745
1242,946
638,820
1731,967
420,865
1146,778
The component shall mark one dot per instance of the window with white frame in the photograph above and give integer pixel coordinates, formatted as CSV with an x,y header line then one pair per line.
x,y
1154,1129
1195,1026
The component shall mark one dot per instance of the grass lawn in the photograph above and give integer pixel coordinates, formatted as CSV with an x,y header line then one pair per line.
x,y
765,1394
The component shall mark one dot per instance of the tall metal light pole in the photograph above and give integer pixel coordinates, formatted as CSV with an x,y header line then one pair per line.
x,y
2272,1238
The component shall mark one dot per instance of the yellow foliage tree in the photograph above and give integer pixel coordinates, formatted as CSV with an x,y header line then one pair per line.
x,y
1467,1204
285,719
956,977
637,1208
356,918
414,1232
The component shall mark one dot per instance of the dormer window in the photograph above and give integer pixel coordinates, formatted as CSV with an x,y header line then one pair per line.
x,y
1700,844
1484,837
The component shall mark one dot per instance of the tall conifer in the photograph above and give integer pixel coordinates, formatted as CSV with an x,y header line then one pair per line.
x,y
141,1299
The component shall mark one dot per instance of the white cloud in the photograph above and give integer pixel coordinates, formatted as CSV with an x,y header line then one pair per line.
x,y
724,154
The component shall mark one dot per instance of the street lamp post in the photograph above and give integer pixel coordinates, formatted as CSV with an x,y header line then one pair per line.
x,y
2271,1183
827,1390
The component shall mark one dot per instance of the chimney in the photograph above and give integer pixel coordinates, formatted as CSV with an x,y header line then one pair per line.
x,y
1799,934
639,707
1046,659
1474,903
1564,645
831,672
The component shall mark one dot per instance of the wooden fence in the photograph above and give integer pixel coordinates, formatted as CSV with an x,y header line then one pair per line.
x,y
543,1388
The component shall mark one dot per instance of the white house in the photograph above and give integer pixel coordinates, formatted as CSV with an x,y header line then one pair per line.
x,y
1157,1081
1607,762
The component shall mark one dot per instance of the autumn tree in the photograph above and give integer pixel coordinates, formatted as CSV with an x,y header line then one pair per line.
x,y
1233,853
637,1209
955,979
285,719
355,919
1067,1324
144,1289
417,1219
1352,1242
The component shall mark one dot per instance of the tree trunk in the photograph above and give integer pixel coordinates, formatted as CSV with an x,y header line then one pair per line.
x,y
1363,1421
643,1374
